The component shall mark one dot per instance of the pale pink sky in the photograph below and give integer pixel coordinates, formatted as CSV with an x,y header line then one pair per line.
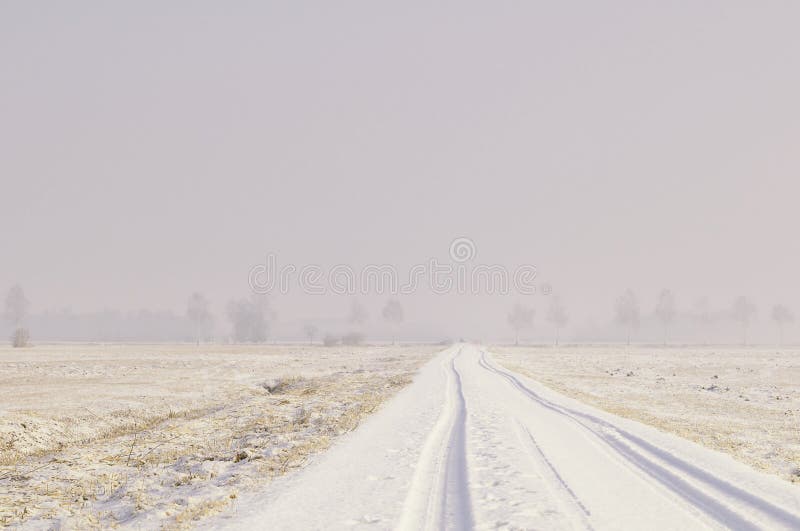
x,y
151,149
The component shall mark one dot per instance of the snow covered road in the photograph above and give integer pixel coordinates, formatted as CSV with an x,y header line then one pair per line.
x,y
472,445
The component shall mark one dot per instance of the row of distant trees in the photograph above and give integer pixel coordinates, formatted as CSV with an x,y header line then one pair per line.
x,y
392,313
627,313
521,318
250,320
250,317
742,311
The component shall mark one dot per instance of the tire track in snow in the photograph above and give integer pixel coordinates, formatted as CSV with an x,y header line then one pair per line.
x,y
625,444
438,497
558,482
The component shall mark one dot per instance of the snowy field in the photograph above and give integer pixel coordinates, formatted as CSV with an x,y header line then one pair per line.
x,y
466,437
741,401
162,436
472,445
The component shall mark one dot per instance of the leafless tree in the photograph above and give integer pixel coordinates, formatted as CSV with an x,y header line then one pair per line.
x,y
249,319
197,310
15,312
782,316
743,312
521,317
626,311
358,314
557,315
665,311
393,314
702,316
16,305
311,331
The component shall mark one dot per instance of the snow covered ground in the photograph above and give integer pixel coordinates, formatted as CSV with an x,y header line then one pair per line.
x,y
471,444
744,401
233,437
159,436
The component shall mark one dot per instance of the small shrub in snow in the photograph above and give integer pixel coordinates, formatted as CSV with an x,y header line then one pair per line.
x,y
353,338
330,340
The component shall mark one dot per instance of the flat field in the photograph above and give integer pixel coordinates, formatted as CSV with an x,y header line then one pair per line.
x,y
738,400
164,435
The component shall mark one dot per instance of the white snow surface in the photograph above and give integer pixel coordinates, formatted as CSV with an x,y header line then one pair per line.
x,y
470,444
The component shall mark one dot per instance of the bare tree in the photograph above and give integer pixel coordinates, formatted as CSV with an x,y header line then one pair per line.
x,y
249,319
197,310
393,314
521,317
557,315
702,315
627,312
782,316
665,310
311,331
743,311
15,312
358,314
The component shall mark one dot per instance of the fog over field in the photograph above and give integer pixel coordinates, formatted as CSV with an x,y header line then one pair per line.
x,y
150,151
399,265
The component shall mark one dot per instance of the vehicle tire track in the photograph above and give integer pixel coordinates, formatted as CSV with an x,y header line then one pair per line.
x,y
438,497
560,488
635,451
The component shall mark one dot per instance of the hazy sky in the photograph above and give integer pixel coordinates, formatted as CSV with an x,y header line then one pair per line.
x,y
150,149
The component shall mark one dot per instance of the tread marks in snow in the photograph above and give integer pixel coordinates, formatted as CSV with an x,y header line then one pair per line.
x,y
438,497
624,445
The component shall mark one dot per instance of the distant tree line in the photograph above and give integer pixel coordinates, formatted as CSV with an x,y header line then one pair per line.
x,y
628,315
251,318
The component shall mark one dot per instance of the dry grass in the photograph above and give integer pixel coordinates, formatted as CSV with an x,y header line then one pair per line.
x,y
139,435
